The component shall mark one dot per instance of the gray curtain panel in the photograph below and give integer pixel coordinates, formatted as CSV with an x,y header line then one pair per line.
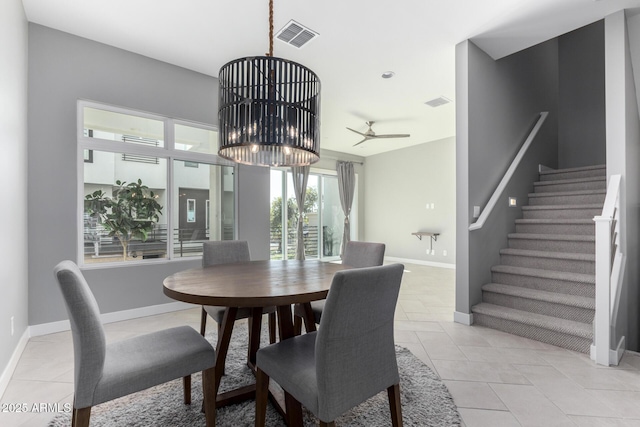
x,y
300,176
346,188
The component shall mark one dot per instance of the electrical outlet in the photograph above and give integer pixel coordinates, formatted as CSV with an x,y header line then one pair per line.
x,y
433,251
428,205
428,252
444,253
12,327
476,211
433,205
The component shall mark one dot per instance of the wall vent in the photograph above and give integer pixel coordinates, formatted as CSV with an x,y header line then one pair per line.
x,y
296,34
436,102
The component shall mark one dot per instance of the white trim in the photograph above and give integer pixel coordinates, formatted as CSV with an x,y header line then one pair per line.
x,y
13,362
614,355
116,316
421,262
463,318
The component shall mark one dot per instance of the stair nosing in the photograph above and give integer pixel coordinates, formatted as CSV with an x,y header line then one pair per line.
x,y
574,256
555,221
554,237
570,181
584,330
576,169
545,274
540,295
568,193
562,207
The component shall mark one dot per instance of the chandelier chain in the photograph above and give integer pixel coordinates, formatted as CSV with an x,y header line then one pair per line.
x,y
270,28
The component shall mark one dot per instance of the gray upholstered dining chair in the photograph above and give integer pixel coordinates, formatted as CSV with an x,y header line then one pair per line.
x,y
356,254
105,372
227,252
349,359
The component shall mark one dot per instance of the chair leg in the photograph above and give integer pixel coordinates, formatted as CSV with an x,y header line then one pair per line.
x,y
272,328
80,417
395,405
297,325
203,321
186,382
209,392
262,392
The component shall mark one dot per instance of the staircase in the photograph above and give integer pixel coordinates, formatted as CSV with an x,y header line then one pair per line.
x,y
544,287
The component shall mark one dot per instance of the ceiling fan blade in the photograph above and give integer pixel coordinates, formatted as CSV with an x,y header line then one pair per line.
x,y
359,133
394,135
366,139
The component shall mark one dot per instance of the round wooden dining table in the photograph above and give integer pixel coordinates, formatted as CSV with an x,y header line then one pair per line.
x,y
255,284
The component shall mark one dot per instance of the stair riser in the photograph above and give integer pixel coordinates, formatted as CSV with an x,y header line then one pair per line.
x,y
581,229
566,200
568,265
561,311
570,342
544,284
573,186
574,175
553,246
560,213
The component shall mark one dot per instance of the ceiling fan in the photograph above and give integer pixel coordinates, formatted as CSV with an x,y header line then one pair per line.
x,y
370,134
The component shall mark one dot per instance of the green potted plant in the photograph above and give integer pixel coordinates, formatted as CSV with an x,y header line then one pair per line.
x,y
129,214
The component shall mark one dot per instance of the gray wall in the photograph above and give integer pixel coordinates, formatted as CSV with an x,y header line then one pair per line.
x,y
62,69
623,157
13,174
581,112
497,104
398,185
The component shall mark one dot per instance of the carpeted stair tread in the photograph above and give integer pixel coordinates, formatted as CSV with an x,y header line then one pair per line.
x,y
544,296
569,327
560,237
546,274
562,207
547,254
601,169
566,221
570,181
568,193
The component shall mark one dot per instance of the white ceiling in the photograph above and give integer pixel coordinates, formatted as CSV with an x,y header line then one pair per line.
x,y
359,40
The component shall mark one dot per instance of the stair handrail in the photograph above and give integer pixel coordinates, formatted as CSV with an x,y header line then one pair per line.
x,y
610,265
486,211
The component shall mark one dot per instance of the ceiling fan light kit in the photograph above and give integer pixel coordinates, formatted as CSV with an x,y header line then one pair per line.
x,y
268,110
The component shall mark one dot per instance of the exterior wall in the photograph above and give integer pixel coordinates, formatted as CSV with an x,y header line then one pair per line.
x,y
62,69
399,185
13,173
497,104
581,112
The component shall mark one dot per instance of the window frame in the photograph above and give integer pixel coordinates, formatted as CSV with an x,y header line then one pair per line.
x,y
168,152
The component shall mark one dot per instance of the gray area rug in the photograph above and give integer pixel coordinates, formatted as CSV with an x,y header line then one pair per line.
x,y
425,399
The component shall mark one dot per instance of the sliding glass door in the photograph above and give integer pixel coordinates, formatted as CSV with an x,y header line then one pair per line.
x,y
322,217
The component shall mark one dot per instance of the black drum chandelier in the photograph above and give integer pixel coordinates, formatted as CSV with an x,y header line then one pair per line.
x,y
269,110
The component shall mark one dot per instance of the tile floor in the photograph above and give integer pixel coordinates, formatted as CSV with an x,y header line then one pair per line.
x,y
496,379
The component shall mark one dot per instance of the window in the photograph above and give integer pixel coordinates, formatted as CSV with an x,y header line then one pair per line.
x,y
323,217
151,187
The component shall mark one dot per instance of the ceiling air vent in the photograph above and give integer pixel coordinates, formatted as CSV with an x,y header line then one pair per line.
x,y
436,102
296,34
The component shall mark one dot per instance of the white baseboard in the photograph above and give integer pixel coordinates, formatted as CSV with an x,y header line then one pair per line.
x,y
116,316
421,262
614,355
13,362
463,318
